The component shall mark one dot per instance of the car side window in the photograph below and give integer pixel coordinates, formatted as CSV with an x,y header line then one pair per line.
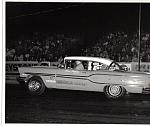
x,y
98,66
114,66
76,64
85,65
68,64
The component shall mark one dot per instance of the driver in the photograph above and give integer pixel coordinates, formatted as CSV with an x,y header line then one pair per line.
x,y
79,65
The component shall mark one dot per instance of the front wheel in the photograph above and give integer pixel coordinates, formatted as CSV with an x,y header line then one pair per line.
x,y
35,86
114,91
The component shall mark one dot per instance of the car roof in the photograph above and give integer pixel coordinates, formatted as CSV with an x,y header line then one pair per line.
x,y
85,58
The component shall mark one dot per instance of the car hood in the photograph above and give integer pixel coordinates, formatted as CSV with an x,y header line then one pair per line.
x,y
133,73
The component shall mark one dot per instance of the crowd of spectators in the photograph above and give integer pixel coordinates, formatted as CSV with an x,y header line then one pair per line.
x,y
118,46
121,47
28,50
47,49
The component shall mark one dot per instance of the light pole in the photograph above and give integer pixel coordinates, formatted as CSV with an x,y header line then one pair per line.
x,y
139,47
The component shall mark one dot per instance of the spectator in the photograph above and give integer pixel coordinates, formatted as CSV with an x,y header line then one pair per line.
x,y
10,54
20,58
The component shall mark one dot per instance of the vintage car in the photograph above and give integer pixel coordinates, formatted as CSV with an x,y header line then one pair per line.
x,y
97,74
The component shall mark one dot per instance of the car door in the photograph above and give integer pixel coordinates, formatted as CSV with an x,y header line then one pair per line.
x,y
71,78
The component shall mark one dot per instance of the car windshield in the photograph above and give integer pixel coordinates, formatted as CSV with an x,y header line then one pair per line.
x,y
98,66
114,66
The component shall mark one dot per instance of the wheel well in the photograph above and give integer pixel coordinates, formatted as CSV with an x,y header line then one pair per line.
x,y
32,76
113,92
32,88
114,84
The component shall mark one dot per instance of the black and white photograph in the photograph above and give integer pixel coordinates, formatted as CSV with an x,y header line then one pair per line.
x,y
77,62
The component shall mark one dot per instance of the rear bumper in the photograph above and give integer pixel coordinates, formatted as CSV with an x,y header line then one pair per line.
x,y
21,80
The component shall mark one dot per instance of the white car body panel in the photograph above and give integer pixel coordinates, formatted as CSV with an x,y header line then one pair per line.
x,y
87,80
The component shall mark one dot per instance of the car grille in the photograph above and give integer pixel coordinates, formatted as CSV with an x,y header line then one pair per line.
x,y
146,90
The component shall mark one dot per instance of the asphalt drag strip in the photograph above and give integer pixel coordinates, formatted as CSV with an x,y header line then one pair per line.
x,y
75,107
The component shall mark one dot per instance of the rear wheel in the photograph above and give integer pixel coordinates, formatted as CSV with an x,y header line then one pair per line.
x,y
114,91
35,86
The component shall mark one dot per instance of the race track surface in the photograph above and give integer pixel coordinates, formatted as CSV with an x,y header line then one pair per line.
x,y
74,107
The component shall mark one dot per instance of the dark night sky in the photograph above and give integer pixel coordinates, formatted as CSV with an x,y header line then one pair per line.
x,y
85,18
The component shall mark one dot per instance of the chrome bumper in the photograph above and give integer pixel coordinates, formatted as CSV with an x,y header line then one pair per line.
x,y
21,80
